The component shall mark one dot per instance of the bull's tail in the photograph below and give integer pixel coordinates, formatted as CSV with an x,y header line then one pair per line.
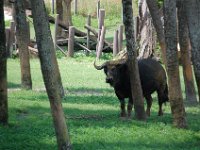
x,y
166,97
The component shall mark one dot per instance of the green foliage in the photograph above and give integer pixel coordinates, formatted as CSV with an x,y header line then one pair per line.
x,y
91,109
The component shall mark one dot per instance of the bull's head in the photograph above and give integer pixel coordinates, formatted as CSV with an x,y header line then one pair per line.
x,y
113,70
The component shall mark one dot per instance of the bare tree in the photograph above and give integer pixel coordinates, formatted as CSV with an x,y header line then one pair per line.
x,y
185,54
132,62
3,70
175,94
50,71
23,41
193,20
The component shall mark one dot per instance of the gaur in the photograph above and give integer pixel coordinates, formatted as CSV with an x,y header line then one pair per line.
x,y
152,76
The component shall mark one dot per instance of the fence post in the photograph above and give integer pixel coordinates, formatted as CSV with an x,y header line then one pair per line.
x,y
53,6
7,31
100,23
88,34
55,31
101,42
101,18
98,7
120,37
10,40
115,43
13,12
75,7
71,42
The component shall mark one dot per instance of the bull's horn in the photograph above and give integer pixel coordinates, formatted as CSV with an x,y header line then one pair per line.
x,y
99,67
118,62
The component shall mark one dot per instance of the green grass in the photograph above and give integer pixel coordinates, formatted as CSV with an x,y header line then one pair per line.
x,y
91,109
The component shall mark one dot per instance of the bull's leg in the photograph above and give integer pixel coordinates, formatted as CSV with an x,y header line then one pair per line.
x,y
160,112
160,102
122,106
149,103
130,107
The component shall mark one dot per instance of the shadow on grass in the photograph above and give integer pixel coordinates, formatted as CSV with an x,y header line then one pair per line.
x,y
99,97
89,113
139,144
33,127
83,111
80,120
12,85
94,91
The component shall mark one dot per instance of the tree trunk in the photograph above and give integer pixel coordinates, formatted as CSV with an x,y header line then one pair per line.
x,y
3,70
67,17
185,55
147,36
50,71
156,18
23,41
59,11
193,18
136,89
175,95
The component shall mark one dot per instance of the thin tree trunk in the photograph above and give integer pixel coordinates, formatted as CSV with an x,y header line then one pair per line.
x,y
59,11
193,20
156,18
175,95
147,36
185,56
67,17
3,70
136,89
50,71
23,41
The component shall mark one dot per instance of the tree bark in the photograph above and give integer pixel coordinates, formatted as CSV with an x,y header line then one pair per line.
x,y
193,20
50,71
136,89
175,95
59,11
23,41
147,38
156,18
67,16
185,55
3,70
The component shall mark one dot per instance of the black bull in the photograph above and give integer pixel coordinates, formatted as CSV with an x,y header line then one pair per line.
x,y
152,76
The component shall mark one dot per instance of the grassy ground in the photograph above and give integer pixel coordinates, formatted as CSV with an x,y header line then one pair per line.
x,y
91,109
